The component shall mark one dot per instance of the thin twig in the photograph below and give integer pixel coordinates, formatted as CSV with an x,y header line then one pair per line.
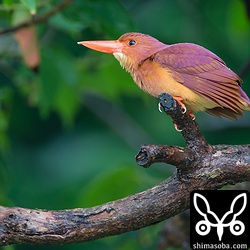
x,y
38,19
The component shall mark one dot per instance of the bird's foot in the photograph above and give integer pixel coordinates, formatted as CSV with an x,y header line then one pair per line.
x,y
176,128
183,107
179,100
191,114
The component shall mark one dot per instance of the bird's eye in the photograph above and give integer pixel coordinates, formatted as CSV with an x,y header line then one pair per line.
x,y
132,42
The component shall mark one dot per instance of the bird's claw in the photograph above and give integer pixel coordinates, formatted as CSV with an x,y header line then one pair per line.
x,y
176,128
159,107
184,109
191,115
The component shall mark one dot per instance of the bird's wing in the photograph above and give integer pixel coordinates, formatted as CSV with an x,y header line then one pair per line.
x,y
203,72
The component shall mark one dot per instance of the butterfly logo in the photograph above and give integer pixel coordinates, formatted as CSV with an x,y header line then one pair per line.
x,y
210,219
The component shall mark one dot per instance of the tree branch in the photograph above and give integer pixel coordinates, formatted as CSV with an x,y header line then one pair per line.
x,y
38,19
202,167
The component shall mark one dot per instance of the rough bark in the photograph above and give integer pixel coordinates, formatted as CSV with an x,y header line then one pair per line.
x,y
199,166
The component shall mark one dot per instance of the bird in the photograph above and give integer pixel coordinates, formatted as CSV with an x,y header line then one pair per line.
x,y
193,75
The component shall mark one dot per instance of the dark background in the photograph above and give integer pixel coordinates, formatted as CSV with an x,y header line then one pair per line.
x,y
69,130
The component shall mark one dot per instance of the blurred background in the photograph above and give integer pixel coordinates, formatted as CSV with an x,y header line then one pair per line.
x,y
72,120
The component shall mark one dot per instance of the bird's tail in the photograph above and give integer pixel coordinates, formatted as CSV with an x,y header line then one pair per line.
x,y
246,100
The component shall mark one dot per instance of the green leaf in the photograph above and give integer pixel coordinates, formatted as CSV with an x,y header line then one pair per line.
x,y
8,3
19,16
31,5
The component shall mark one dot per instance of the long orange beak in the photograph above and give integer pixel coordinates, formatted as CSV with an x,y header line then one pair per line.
x,y
103,46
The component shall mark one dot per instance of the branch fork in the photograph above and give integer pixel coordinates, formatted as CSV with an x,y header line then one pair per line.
x,y
185,159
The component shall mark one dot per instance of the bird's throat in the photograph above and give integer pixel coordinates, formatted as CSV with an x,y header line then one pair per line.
x,y
125,62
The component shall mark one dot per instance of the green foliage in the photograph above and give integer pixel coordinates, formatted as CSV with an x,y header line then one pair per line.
x,y
7,3
58,148
31,5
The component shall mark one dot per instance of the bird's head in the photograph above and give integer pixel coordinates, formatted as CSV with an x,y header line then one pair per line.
x,y
130,49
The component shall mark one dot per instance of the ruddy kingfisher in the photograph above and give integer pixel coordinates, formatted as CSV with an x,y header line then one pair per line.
x,y
197,78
